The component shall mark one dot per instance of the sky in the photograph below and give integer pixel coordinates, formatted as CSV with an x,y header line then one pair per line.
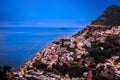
x,y
51,13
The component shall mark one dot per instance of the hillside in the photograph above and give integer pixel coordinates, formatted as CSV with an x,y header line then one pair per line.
x,y
91,54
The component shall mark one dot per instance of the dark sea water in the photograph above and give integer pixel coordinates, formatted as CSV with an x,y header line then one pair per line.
x,y
18,45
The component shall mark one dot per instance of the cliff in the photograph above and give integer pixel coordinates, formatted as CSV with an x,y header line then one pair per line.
x,y
111,17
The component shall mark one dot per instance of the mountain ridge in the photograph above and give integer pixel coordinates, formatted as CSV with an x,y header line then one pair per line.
x,y
111,16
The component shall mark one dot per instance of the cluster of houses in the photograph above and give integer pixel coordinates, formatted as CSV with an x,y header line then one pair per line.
x,y
68,51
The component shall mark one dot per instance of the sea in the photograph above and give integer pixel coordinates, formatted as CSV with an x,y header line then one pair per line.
x,y
20,44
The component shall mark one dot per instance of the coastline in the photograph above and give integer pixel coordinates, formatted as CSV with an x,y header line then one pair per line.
x,y
51,54
27,42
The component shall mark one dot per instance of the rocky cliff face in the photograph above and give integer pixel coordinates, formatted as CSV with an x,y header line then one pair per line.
x,y
93,53
111,17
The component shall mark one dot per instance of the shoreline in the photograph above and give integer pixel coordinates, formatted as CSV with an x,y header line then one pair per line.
x,y
28,47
